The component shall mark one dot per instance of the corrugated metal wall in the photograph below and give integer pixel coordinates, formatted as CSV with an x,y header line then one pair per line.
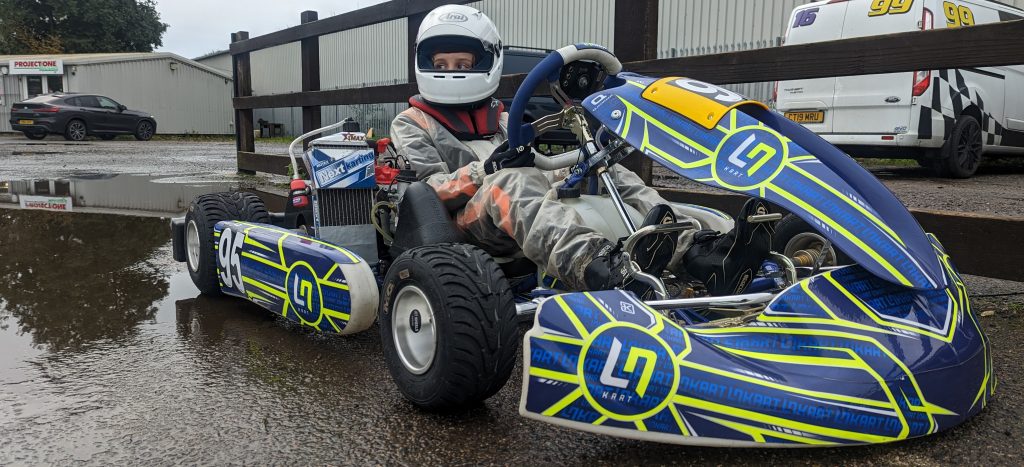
x,y
185,100
221,62
550,24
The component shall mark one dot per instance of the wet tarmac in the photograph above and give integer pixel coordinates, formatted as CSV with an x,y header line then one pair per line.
x,y
108,355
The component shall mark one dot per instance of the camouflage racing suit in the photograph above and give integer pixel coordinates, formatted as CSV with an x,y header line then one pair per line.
x,y
513,208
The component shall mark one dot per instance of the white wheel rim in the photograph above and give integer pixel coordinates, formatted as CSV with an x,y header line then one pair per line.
x,y
413,330
809,241
192,245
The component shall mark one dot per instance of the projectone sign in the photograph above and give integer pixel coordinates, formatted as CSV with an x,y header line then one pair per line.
x,y
49,203
42,66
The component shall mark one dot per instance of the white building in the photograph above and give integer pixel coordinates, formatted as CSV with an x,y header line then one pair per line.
x,y
183,95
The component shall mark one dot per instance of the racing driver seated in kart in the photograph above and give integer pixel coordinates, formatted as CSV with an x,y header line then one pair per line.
x,y
454,136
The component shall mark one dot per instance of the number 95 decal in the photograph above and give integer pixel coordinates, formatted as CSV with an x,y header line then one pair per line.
x,y
228,261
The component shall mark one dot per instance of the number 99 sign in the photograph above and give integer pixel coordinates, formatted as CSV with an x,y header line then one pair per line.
x,y
890,7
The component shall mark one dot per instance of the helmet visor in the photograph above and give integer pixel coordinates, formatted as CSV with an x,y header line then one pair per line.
x,y
483,58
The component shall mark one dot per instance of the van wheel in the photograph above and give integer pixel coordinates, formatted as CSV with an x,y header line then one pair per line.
x,y
448,326
203,214
961,155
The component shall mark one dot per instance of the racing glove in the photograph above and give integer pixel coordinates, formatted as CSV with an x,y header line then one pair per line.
x,y
504,158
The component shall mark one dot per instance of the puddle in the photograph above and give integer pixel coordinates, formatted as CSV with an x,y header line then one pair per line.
x,y
122,192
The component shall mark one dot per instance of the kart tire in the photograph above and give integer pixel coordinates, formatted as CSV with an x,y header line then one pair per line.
x,y
961,155
203,214
793,234
448,326
35,136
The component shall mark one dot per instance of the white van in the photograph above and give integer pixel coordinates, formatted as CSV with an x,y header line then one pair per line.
x,y
945,119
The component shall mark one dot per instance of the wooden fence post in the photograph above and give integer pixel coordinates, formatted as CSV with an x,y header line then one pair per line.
x,y
241,73
636,38
311,118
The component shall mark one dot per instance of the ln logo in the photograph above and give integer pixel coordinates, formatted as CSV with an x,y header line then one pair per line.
x,y
760,155
635,354
302,291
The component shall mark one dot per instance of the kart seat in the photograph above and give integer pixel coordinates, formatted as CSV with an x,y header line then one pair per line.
x,y
423,220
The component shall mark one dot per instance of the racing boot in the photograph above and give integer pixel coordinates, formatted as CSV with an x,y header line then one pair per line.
x,y
726,264
652,253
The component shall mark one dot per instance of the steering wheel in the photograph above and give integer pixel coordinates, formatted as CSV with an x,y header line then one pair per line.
x,y
550,69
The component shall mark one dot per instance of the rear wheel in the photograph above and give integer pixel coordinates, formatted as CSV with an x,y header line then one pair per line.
x,y
448,326
35,136
75,130
203,214
961,155
796,239
145,130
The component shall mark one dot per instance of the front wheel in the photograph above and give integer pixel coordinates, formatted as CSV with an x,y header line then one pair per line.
x,y
203,214
145,130
448,326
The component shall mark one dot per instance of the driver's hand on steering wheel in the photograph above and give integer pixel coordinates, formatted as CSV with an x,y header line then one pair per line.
x,y
503,158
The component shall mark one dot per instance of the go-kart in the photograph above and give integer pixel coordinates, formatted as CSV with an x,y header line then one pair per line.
x,y
809,354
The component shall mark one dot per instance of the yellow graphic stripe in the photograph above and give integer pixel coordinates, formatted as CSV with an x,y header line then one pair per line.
x,y
555,375
640,425
561,339
334,313
558,406
772,420
580,328
332,284
263,261
802,158
786,388
878,222
600,420
679,420
880,320
646,144
632,109
607,314
333,325
285,235
833,321
758,434
828,333
854,362
266,288
846,233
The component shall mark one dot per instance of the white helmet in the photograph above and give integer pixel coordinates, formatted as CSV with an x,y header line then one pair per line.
x,y
458,28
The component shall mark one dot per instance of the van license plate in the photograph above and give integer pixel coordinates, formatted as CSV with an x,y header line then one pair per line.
x,y
26,122
806,117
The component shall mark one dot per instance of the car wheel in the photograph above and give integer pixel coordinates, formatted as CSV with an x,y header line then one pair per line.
x,y
145,130
75,131
796,239
961,155
448,326
35,136
200,244
107,137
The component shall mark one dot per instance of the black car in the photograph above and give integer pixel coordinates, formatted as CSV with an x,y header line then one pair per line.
x,y
79,115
